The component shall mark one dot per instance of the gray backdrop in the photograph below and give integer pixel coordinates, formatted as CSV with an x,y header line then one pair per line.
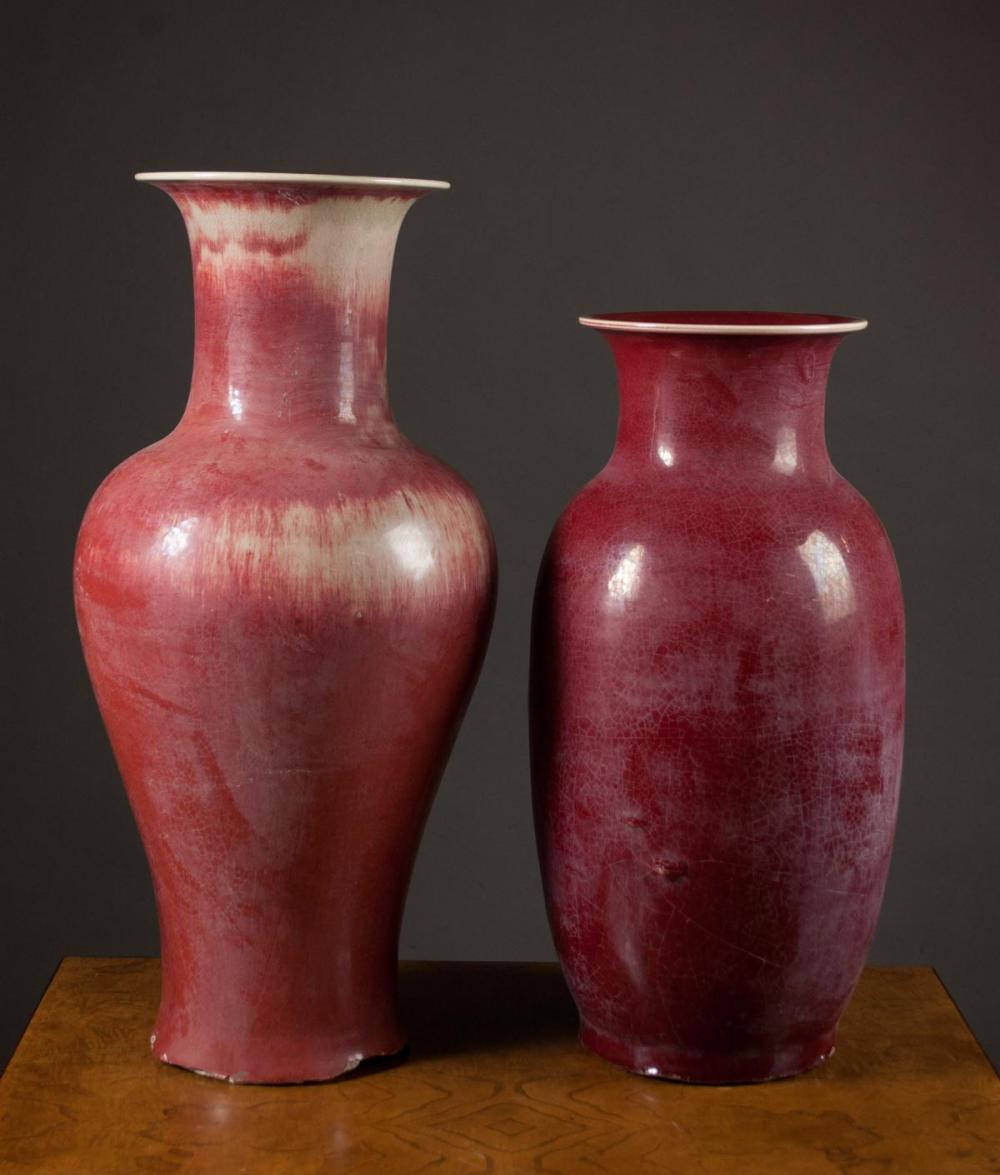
x,y
783,155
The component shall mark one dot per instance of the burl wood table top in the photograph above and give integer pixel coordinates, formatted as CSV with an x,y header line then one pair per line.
x,y
495,1081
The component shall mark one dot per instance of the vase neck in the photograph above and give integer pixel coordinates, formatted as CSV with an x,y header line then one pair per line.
x,y
291,299
736,404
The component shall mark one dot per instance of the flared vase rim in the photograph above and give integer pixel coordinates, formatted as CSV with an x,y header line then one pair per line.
x,y
723,322
291,179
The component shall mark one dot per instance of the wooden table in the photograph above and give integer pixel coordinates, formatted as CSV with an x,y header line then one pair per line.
x,y
495,1081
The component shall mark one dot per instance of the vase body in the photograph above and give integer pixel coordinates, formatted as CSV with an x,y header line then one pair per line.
x,y
717,709
283,607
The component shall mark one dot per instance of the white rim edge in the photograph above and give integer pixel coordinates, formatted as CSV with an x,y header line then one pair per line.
x,y
706,328
287,177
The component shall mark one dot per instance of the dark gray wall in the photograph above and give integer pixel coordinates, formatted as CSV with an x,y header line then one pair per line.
x,y
812,156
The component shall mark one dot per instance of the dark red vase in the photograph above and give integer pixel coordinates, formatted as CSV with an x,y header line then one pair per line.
x,y
283,606
717,707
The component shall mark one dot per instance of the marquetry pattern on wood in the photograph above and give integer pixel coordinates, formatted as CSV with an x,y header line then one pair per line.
x,y
495,1081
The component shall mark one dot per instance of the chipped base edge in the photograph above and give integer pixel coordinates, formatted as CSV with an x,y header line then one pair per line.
x,y
598,1045
352,1062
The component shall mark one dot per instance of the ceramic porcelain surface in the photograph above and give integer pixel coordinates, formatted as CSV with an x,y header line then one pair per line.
x,y
717,714
283,605
714,322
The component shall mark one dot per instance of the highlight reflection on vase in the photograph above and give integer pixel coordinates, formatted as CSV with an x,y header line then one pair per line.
x,y
284,605
717,706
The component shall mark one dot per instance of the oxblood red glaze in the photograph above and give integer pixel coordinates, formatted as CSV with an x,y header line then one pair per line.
x,y
283,606
717,705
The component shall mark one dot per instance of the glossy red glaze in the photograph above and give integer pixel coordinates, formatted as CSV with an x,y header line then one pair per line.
x,y
717,706
283,606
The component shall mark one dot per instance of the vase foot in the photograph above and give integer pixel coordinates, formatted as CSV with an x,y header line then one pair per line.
x,y
699,1068
319,1067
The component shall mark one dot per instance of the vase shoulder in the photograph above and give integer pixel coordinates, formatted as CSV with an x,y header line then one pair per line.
x,y
667,572
366,524
668,510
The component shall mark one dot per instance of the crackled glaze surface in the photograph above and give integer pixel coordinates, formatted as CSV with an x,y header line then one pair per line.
x,y
283,607
717,703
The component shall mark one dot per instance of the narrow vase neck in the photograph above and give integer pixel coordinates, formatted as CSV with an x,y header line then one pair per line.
x,y
738,403
291,299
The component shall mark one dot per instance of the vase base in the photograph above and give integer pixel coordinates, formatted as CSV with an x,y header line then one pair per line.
x,y
699,1068
329,1068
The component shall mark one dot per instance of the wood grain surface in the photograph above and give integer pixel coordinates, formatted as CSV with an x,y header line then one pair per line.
x,y
494,1081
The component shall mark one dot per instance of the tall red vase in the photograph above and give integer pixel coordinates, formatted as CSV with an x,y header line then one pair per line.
x,y
717,704
283,607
